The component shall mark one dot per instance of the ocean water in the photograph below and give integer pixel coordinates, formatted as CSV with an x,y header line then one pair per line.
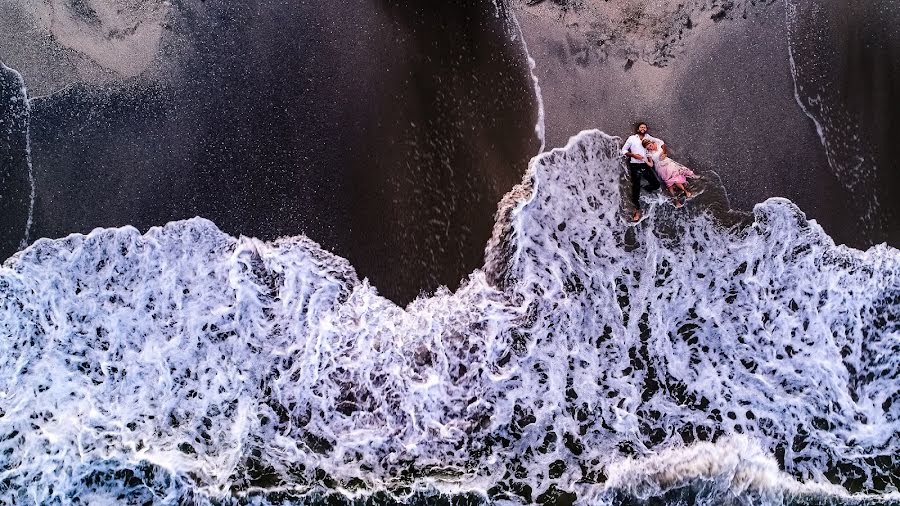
x,y
697,357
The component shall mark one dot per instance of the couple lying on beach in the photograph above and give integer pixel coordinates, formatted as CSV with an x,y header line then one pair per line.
x,y
647,158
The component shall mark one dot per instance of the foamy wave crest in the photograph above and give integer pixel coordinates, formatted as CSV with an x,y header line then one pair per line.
x,y
732,471
187,366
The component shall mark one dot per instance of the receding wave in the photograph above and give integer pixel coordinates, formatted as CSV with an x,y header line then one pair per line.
x,y
686,358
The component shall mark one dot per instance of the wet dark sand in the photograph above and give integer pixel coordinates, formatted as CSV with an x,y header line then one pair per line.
x,y
15,188
848,61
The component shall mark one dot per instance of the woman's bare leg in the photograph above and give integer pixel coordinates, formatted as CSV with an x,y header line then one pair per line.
x,y
686,192
674,197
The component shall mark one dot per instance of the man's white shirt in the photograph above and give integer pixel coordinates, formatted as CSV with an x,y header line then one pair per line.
x,y
633,144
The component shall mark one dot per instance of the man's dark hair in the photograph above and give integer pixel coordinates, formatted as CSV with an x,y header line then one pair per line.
x,y
638,125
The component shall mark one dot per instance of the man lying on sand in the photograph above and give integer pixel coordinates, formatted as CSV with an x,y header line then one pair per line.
x,y
637,157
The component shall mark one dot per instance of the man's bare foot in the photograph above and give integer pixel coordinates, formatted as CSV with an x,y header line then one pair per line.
x,y
636,216
678,203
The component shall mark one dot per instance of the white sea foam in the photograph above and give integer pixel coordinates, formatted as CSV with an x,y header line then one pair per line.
x,y
186,365
735,470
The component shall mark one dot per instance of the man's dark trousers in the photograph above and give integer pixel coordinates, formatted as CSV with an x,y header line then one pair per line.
x,y
638,170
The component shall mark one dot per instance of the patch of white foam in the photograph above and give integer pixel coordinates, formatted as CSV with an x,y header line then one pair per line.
x,y
199,365
731,470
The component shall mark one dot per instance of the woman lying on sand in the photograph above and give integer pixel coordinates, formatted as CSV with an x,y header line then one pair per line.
x,y
669,171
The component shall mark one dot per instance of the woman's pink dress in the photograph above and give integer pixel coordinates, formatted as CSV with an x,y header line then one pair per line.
x,y
669,170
